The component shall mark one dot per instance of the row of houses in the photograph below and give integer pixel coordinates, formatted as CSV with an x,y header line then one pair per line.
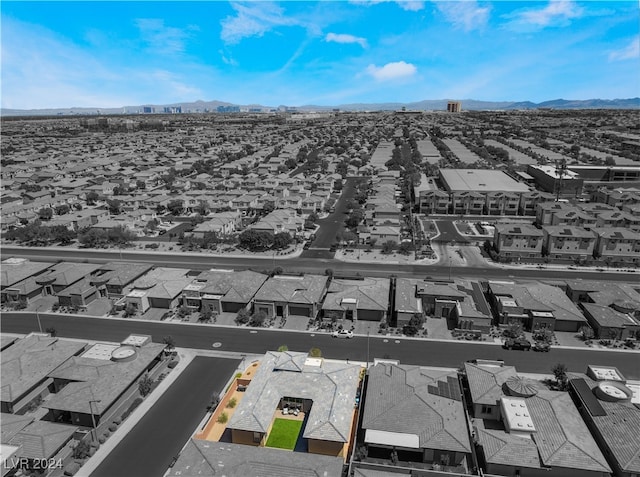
x,y
591,214
399,419
608,243
75,384
465,304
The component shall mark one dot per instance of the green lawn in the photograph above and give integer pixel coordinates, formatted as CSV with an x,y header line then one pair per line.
x,y
284,434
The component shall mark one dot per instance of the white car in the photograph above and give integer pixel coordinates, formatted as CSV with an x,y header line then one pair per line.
x,y
342,334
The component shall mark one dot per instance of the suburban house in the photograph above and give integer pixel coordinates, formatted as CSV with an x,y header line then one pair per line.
x,y
40,441
280,220
85,387
26,365
285,295
407,301
535,305
523,428
604,401
325,391
14,273
518,240
418,413
223,290
356,299
160,288
220,223
64,274
116,276
460,302
613,321
202,457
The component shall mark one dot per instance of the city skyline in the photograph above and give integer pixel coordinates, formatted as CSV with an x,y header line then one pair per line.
x,y
114,54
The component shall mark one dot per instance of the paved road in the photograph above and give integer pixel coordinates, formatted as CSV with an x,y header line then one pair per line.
x,y
449,233
151,445
333,224
202,261
360,348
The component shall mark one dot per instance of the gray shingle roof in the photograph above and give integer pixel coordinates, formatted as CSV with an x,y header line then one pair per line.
x,y
485,383
308,289
42,439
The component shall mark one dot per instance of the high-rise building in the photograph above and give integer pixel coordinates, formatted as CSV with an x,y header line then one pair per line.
x,y
454,106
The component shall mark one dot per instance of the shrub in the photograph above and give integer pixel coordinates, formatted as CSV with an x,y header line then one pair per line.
x,y
102,439
232,403
107,434
243,317
117,421
172,364
71,468
113,427
223,418
315,353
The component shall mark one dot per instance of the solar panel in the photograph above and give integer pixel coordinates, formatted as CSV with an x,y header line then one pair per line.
x,y
587,398
449,389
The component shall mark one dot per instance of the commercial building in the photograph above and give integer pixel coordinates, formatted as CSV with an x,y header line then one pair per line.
x,y
454,106
479,180
552,179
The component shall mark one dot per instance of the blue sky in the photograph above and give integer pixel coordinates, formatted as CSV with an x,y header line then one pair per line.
x,y
113,54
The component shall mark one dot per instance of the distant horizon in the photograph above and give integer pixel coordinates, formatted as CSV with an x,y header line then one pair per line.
x,y
83,54
628,104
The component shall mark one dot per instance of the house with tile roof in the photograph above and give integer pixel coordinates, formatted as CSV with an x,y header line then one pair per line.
x,y
114,277
13,272
287,295
87,386
522,428
11,424
64,274
356,299
325,391
608,322
223,290
200,458
407,301
612,419
159,288
26,365
419,413
42,439
535,305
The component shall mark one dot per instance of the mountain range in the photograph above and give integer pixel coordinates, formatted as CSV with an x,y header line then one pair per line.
x,y
426,105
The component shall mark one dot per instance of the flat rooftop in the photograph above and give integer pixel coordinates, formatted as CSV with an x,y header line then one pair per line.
x,y
480,180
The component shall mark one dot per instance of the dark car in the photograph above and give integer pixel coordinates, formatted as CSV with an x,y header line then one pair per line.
x,y
541,346
517,343
307,245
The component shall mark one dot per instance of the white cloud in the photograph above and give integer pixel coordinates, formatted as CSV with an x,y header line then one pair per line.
x,y
392,71
254,19
345,38
227,60
629,52
162,38
556,12
467,15
409,5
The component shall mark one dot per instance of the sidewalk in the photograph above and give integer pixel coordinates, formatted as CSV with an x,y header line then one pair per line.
x,y
186,356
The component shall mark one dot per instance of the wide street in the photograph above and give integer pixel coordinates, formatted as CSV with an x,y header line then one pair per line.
x,y
203,261
159,436
359,348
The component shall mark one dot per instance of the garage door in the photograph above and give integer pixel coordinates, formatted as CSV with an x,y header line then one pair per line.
x,y
231,306
300,310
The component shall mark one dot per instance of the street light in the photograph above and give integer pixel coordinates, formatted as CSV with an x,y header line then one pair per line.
x,y
93,419
368,332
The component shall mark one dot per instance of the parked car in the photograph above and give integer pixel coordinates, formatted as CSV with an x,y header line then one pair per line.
x,y
306,245
541,346
517,343
342,334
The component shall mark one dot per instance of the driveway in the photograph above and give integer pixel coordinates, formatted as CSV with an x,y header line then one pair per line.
x,y
160,435
331,225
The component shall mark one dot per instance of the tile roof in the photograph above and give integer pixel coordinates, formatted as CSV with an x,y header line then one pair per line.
x,y
218,459
29,361
371,293
402,399
42,439
307,289
99,379
618,428
11,424
331,386
485,382
237,287
406,300
15,271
